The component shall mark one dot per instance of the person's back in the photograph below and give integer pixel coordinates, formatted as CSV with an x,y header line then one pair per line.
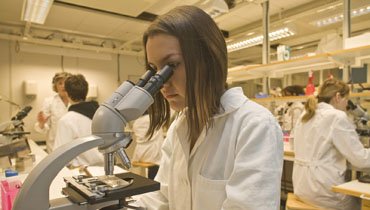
x,y
316,146
74,125
322,146
77,122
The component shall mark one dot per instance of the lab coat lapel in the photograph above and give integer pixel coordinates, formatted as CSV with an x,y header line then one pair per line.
x,y
229,102
198,143
182,135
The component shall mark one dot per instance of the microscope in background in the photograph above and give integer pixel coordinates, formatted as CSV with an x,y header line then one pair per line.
x,y
361,118
127,103
13,129
13,142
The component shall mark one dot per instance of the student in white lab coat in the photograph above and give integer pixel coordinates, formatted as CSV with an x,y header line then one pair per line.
x,y
324,140
223,151
53,109
148,148
76,123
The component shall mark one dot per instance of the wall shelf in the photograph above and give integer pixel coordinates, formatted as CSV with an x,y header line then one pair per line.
x,y
353,56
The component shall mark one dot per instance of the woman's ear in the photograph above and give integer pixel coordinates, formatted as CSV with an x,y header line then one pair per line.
x,y
337,97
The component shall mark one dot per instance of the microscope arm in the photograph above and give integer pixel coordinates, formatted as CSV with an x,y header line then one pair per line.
x,y
35,190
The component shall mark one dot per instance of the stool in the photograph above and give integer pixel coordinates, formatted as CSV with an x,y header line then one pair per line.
x,y
150,168
294,203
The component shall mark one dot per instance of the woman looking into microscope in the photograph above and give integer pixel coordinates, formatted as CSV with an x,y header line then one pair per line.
x,y
222,146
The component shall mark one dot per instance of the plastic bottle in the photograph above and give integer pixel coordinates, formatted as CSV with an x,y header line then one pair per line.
x,y
310,88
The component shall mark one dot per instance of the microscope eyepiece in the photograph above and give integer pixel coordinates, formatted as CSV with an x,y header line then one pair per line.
x,y
357,111
22,113
351,105
145,78
155,83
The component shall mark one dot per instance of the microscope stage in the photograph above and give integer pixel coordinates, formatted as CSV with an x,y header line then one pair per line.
x,y
85,189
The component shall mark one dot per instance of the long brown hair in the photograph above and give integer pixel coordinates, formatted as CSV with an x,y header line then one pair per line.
x,y
326,92
205,56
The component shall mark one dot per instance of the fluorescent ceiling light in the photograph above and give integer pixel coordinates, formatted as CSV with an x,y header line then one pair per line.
x,y
36,11
214,7
275,35
338,18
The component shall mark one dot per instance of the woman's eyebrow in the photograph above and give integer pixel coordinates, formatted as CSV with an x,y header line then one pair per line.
x,y
164,59
169,56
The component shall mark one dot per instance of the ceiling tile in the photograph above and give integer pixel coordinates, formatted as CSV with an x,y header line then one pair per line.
x,y
11,10
99,24
65,17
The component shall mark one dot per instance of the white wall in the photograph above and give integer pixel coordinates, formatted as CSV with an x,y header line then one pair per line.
x,y
16,67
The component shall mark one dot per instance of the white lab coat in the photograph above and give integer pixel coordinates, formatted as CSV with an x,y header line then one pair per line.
x,y
72,126
237,164
146,150
55,108
322,146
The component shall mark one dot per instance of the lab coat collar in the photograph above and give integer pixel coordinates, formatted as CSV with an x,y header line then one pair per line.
x,y
86,108
58,98
323,105
231,100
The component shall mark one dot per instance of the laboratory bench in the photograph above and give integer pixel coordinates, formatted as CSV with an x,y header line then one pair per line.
x,y
356,189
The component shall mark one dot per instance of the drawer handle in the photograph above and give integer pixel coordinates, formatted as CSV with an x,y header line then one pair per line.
x,y
363,196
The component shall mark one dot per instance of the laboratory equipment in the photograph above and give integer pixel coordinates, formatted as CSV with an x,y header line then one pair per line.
x,y
13,142
13,129
358,112
127,103
361,118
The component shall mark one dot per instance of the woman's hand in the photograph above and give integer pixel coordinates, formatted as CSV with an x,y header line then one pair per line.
x,y
42,119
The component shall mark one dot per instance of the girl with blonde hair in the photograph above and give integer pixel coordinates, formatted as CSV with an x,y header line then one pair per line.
x,y
325,139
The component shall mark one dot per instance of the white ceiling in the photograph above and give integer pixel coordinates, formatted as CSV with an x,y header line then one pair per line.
x,y
114,25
